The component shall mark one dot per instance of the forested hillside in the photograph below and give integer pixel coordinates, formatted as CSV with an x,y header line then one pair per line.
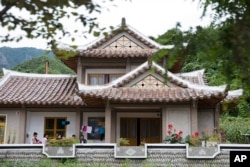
x,y
37,65
10,57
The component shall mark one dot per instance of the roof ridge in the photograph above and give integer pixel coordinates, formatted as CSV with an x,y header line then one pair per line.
x,y
23,74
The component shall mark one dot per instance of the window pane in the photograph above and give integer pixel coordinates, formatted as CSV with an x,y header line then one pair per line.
x,y
49,124
92,80
59,124
53,127
97,124
100,80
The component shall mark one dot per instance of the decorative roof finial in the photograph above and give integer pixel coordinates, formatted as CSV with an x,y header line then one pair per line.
x,y
123,25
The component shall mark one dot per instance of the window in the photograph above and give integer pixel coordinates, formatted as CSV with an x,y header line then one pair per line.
x,y
101,79
2,128
54,127
98,131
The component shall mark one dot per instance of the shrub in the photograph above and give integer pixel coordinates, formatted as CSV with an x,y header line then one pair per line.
x,y
234,128
62,142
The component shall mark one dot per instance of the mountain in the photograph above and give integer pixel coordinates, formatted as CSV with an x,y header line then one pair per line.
x,y
10,57
37,65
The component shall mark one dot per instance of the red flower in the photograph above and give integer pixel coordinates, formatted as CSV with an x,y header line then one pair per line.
x,y
196,134
180,132
177,137
170,126
169,132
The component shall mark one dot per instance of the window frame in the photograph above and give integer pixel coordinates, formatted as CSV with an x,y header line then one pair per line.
x,y
55,129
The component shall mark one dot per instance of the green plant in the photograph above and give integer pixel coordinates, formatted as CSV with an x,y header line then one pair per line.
x,y
194,139
62,142
172,135
234,128
123,142
213,136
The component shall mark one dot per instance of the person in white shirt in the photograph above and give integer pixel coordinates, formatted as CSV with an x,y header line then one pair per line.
x,y
45,139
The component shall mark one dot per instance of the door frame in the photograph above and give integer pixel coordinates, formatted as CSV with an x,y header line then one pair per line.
x,y
134,114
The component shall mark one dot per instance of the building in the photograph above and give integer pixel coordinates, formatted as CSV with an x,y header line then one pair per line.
x,y
118,92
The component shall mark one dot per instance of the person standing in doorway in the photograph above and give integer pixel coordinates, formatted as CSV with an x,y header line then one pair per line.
x,y
82,139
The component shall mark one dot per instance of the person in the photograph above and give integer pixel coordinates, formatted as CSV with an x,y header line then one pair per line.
x,y
59,137
45,139
82,139
35,140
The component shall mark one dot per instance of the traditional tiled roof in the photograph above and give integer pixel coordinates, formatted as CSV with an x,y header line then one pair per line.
x,y
38,89
98,49
234,95
196,77
183,91
183,82
176,94
151,44
109,53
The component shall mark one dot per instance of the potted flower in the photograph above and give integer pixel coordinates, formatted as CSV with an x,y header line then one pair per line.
x,y
173,136
194,139
196,148
60,147
211,138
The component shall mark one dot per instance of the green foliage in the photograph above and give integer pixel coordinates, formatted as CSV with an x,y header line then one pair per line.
x,y
46,17
234,127
123,142
37,65
232,19
204,48
62,142
49,163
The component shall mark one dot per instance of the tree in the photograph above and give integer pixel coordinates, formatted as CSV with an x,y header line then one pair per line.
x,y
233,21
44,18
224,45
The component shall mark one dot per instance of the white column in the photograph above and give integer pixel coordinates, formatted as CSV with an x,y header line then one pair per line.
x,y
194,117
108,120
164,122
21,132
79,70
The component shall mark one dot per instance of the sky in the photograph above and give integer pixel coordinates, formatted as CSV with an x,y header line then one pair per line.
x,y
150,17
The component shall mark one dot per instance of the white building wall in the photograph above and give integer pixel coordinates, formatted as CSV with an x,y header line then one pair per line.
x,y
179,116
205,120
35,123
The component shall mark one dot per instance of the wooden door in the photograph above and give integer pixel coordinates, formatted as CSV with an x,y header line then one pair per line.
x,y
140,130
128,130
150,129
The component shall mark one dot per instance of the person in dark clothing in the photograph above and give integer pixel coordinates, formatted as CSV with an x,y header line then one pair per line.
x,y
82,139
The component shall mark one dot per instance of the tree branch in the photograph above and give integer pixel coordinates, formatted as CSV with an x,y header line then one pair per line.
x,y
6,8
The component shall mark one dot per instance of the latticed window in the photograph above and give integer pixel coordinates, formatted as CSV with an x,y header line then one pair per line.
x,y
123,43
54,127
150,82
